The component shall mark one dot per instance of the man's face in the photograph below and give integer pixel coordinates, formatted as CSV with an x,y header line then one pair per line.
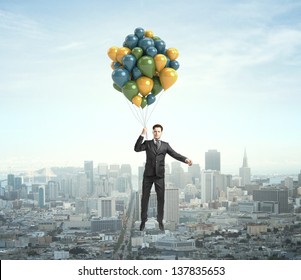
x,y
157,132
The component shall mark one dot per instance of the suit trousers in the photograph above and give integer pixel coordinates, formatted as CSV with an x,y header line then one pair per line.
x,y
160,191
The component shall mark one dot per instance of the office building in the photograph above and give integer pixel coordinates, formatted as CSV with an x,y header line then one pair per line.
x,y
88,168
273,195
106,207
208,186
171,206
213,160
177,175
41,196
245,171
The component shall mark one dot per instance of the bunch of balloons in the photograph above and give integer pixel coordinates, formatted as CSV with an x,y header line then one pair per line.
x,y
143,67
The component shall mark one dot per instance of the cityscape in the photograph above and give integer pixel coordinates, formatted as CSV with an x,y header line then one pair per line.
x,y
93,212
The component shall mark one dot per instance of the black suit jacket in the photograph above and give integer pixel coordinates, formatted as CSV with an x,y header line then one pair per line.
x,y
155,159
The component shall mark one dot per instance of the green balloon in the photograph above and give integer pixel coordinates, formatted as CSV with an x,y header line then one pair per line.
x,y
130,89
137,52
157,88
156,38
146,65
115,86
144,102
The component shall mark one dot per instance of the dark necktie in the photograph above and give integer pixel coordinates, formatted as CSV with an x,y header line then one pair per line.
x,y
157,143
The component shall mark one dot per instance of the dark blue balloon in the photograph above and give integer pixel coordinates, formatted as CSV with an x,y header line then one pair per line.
x,y
174,64
151,51
116,65
120,76
136,73
150,99
160,46
131,41
145,43
139,32
129,62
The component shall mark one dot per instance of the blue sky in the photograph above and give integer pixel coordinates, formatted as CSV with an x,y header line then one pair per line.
x,y
239,82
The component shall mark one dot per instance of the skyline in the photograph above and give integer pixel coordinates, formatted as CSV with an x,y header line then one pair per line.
x,y
238,84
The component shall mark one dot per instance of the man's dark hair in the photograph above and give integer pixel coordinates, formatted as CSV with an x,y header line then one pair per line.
x,y
158,125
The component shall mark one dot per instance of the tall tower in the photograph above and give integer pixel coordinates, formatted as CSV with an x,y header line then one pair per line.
x,y
41,196
208,186
171,211
88,166
213,160
177,175
245,171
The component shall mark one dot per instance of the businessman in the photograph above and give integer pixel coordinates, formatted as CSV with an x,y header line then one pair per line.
x,y
154,171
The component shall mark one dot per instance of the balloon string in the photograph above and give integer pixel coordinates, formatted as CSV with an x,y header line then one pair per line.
x,y
135,114
155,106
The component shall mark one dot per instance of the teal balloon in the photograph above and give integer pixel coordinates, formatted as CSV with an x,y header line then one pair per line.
x,y
174,64
137,52
143,103
136,73
157,88
129,62
146,65
150,99
115,86
130,89
120,76
151,51
131,41
116,65
139,32
145,43
160,46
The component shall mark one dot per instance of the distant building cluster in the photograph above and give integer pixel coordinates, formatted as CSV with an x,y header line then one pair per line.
x,y
94,212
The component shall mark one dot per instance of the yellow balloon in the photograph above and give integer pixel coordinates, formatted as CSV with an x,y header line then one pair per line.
x,y
112,53
160,61
137,100
112,65
172,53
121,52
149,33
145,85
168,76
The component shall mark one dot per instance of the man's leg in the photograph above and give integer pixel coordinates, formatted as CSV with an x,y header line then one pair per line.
x,y
146,188
160,190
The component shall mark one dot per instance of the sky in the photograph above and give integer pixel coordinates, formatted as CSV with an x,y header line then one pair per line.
x,y
238,84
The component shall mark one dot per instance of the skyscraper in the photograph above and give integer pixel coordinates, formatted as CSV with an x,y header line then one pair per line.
x,y
213,160
208,186
88,167
245,171
171,207
177,175
41,196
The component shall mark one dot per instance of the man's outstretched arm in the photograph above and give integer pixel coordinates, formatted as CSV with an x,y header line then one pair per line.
x,y
177,156
140,145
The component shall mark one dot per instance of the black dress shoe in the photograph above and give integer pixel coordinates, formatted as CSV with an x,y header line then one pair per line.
x,y
142,225
161,226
